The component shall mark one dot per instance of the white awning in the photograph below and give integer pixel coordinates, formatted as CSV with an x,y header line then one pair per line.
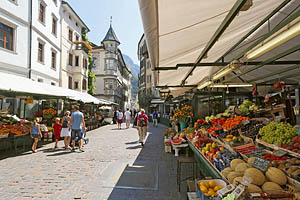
x,y
177,31
157,101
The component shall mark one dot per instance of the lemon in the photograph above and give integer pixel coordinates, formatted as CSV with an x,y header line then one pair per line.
x,y
212,184
204,184
211,193
203,188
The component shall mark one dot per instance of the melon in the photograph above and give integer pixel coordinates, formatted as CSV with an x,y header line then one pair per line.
x,y
271,187
258,178
241,167
226,171
276,175
237,180
235,162
251,161
253,189
233,175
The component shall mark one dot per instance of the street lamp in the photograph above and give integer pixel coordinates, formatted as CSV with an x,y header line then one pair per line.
x,y
164,94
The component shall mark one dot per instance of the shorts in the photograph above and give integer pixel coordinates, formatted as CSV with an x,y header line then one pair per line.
x,y
57,136
76,133
120,121
35,136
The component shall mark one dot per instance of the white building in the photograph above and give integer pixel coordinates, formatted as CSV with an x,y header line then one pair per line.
x,y
74,51
14,37
44,63
112,75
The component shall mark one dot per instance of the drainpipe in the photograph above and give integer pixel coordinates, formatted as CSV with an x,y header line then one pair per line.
x,y
30,41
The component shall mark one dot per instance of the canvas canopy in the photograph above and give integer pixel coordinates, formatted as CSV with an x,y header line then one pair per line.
x,y
178,31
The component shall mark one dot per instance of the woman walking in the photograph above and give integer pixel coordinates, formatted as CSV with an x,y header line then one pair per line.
x,y
65,129
120,118
142,126
35,134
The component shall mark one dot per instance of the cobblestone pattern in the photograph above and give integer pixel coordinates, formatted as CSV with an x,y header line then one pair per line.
x,y
61,174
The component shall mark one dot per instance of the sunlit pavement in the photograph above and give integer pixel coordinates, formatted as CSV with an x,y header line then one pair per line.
x,y
113,166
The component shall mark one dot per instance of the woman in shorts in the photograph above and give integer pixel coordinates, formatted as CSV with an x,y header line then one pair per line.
x,y
120,118
35,134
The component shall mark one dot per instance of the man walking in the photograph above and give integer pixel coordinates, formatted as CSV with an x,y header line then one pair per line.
x,y
76,124
155,117
127,118
142,126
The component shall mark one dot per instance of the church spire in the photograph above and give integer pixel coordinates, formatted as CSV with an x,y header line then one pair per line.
x,y
110,35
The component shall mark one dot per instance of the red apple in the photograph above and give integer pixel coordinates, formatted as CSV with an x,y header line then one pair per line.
x,y
296,145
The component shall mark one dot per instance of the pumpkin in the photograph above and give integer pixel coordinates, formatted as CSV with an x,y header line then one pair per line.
x,y
226,171
258,178
251,161
233,175
241,167
271,187
237,180
253,189
276,175
235,162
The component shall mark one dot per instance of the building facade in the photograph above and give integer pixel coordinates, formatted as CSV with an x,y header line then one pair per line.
x,y
147,82
74,51
112,75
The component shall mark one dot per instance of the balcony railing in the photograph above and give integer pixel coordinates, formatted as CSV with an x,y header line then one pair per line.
x,y
110,72
83,45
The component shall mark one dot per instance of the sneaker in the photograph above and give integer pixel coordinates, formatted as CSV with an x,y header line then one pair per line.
x,y
73,150
142,144
81,150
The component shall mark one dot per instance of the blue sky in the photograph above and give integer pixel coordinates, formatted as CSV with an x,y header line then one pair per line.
x,y
126,21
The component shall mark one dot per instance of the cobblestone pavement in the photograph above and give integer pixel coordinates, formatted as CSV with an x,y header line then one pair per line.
x,y
112,158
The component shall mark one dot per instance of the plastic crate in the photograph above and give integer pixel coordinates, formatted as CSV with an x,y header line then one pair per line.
x,y
200,193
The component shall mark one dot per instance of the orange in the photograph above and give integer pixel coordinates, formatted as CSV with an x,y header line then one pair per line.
x,y
203,189
212,184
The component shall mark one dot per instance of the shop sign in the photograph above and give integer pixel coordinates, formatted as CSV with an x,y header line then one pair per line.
x,y
28,101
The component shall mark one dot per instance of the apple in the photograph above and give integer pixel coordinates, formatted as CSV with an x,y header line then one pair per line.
x,y
296,145
296,139
295,150
289,148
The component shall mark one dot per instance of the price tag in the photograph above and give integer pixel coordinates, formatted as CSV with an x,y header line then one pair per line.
x,y
261,164
245,122
280,153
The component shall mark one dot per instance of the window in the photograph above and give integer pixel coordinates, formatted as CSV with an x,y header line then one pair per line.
x,y
70,82
40,80
6,37
110,64
70,59
76,24
76,85
84,84
42,12
76,60
54,25
53,59
70,35
109,84
70,18
77,37
52,83
41,52
84,64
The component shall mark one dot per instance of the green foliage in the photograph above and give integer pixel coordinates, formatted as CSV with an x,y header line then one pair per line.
x,y
91,76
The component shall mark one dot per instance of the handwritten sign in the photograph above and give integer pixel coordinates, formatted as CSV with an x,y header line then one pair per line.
x,y
261,164
280,153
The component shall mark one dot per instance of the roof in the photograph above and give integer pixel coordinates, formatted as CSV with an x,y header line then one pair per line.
x,y
68,5
110,35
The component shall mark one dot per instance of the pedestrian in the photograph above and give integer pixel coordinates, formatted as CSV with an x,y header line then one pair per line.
x,y
65,130
76,124
127,118
142,126
155,117
35,134
57,130
120,117
115,116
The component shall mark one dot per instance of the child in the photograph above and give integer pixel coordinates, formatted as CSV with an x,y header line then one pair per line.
x,y
57,129
35,134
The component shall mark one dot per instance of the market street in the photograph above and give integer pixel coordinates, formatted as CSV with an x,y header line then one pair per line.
x,y
112,157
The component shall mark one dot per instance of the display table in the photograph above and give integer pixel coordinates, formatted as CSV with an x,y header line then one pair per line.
x,y
177,148
15,142
207,168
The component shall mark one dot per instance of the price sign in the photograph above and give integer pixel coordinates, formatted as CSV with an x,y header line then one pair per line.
x,y
245,122
280,153
261,164
28,101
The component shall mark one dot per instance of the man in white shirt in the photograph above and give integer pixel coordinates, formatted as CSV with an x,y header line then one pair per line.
x,y
127,118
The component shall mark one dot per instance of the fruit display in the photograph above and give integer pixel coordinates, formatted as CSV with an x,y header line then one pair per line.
x,y
247,106
233,122
209,188
15,129
277,133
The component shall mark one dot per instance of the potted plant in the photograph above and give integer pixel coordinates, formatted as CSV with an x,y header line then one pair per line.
x,y
183,116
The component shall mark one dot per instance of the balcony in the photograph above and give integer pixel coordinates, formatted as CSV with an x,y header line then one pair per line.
x,y
110,72
111,55
112,92
80,70
83,45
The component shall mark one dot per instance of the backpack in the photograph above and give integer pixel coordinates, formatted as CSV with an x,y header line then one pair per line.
x,y
155,115
142,121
